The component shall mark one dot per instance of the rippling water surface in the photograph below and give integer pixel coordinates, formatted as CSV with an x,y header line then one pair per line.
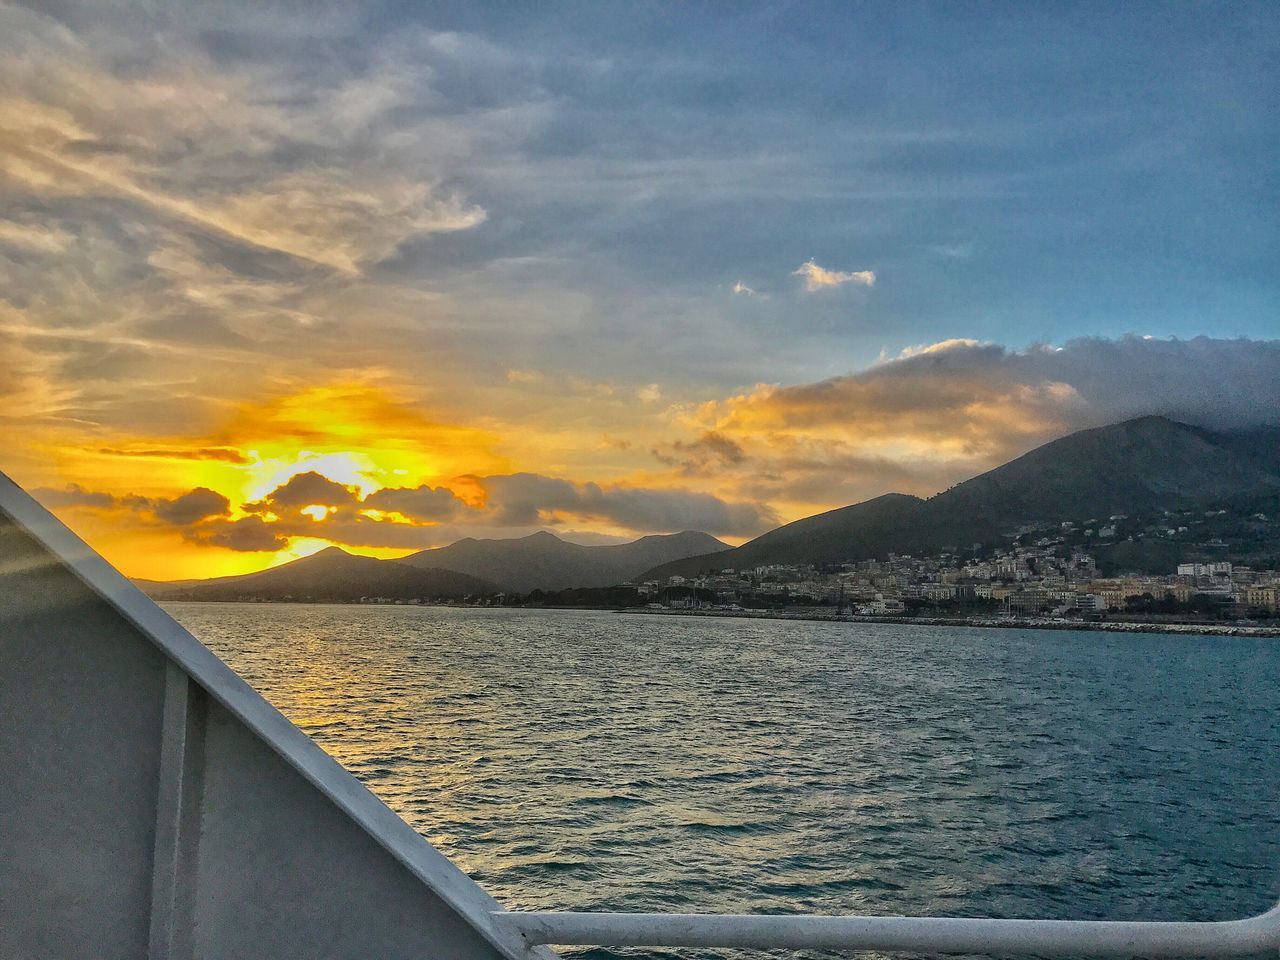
x,y
600,761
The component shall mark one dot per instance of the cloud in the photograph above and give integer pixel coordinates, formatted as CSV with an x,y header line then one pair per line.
x,y
532,499
220,454
304,490
515,375
1089,381
248,154
674,510
330,218
819,278
178,221
248,534
34,237
426,516
417,503
942,346
964,391
209,205
942,412
73,495
245,204
521,499
195,505
935,414
825,474
187,508
709,453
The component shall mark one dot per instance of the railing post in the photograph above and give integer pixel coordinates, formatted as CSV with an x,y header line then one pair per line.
x,y
176,795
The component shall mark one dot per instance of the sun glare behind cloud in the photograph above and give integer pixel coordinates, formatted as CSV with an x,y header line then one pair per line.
x,y
478,297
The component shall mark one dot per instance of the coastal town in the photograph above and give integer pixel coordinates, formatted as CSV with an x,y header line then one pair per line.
x,y
1017,583
1042,574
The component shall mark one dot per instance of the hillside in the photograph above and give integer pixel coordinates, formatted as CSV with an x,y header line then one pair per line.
x,y
332,575
1151,462
1143,465
543,561
1138,467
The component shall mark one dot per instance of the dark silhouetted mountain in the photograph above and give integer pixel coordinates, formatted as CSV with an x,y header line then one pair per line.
x,y
892,522
543,561
332,575
1151,463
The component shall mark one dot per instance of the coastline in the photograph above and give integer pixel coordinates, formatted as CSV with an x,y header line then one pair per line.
x,y
1008,623
1002,623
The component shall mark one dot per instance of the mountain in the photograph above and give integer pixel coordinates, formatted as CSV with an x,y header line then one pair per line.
x,y
542,561
875,527
1151,462
1138,466
332,575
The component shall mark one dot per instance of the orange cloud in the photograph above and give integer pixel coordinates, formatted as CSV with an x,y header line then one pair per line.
x,y
358,462
354,434
934,401
353,437
224,454
819,278
943,412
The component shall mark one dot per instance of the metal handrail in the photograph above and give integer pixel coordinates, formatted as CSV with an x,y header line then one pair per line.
x,y
1045,938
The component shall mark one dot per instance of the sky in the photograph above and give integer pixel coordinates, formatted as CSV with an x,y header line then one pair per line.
x,y
278,277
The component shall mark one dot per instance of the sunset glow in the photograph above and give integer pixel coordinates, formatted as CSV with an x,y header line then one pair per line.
x,y
274,281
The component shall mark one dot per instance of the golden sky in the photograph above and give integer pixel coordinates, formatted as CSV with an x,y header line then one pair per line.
x,y
273,281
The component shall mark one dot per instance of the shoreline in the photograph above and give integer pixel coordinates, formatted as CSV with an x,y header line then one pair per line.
x,y
1003,623
999,623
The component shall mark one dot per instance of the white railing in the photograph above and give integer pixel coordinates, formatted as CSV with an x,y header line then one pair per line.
x,y
1044,938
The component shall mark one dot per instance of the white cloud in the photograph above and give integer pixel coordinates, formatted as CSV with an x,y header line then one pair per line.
x,y
321,218
819,278
942,346
516,375
240,151
33,237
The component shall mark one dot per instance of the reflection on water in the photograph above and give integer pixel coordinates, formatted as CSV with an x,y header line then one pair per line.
x,y
582,760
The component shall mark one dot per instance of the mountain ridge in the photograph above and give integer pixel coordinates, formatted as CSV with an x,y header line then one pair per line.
x,y
542,561
330,574
539,561
1150,462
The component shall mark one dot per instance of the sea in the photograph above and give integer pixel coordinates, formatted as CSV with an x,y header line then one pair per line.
x,y
591,760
